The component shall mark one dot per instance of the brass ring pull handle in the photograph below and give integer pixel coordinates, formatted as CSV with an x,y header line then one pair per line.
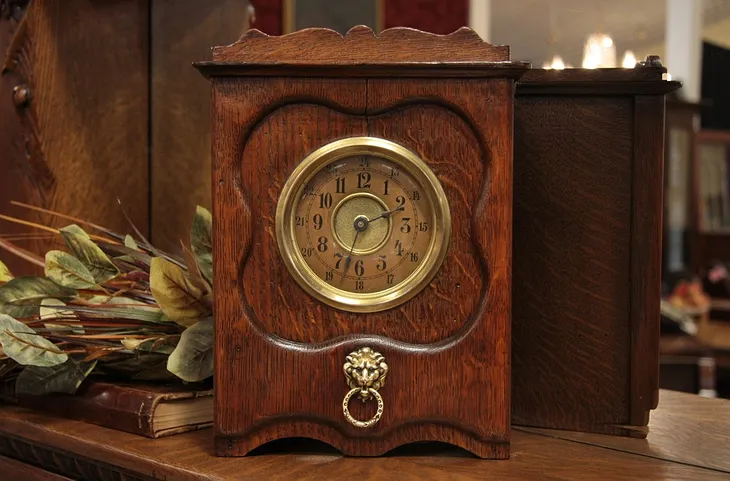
x,y
365,371
369,422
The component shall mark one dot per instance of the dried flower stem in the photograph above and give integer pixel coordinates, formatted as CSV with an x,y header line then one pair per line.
x,y
23,341
51,229
22,253
64,216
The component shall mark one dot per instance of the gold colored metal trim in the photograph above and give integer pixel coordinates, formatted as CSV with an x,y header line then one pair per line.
x,y
371,301
335,228
365,371
357,422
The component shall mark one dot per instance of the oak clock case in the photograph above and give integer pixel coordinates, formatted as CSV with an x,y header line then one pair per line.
x,y
362,196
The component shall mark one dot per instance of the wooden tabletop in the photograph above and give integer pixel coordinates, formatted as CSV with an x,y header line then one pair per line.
x,y
689,438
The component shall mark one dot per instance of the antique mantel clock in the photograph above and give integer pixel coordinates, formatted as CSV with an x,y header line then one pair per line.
x,y
362,192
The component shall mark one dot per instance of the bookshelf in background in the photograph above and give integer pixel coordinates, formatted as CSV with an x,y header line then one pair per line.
x,y
682,119
710,213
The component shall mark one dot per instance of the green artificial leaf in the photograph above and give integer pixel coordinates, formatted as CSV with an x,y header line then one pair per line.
x,y
192,359
176,294
201,241
74,229
125,253
64,378
90,255
53,309
130,242
65,270
5,274
20,297
27,347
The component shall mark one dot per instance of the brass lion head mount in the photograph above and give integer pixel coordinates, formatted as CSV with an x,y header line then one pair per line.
x,y
365,369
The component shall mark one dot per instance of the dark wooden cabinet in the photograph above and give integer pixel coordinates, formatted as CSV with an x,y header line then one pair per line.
x,y
587,248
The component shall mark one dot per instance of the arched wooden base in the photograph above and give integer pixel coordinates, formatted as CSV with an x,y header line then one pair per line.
x,y
230,446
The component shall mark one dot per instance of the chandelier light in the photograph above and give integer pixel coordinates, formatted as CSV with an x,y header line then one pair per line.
x,y
599,52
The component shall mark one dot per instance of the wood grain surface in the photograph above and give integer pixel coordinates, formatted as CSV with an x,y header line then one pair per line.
x,y
570,355
184,32
17,181
303,342
80,140
587,248
646,254
687,441
320,46
684,428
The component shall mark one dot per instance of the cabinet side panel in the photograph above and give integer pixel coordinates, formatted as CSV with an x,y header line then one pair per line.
x,y
646,250
572,233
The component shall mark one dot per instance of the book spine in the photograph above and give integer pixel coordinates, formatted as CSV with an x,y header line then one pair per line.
x,y
118,410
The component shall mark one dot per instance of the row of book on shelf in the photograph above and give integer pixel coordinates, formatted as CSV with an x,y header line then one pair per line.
x,y
713,186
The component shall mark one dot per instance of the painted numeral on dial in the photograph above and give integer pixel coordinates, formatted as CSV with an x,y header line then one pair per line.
x,y
325,201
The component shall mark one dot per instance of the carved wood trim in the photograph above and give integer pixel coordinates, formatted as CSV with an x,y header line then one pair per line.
x,y
361,45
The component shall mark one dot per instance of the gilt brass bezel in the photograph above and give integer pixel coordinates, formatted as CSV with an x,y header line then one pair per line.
x,y
370,301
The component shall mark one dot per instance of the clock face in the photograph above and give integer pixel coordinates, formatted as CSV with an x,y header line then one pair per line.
x,y
363,224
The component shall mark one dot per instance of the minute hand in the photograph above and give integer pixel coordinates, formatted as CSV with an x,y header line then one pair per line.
x,y
388,213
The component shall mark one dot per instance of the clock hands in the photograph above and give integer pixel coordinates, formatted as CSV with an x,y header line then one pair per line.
x,y
388,213
361,224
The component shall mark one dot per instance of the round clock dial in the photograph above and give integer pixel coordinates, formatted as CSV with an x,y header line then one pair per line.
x,y
363,224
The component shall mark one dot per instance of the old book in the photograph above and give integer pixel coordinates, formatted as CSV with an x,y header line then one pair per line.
x,y
151,410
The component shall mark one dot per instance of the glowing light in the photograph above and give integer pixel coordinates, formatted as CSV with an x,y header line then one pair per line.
x,y
556,64
599,51
629,60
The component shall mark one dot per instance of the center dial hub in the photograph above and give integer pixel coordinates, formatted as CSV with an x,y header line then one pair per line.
x,y
361,212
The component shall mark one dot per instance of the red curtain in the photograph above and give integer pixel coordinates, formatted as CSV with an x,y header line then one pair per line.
x,y
268,16
435,16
